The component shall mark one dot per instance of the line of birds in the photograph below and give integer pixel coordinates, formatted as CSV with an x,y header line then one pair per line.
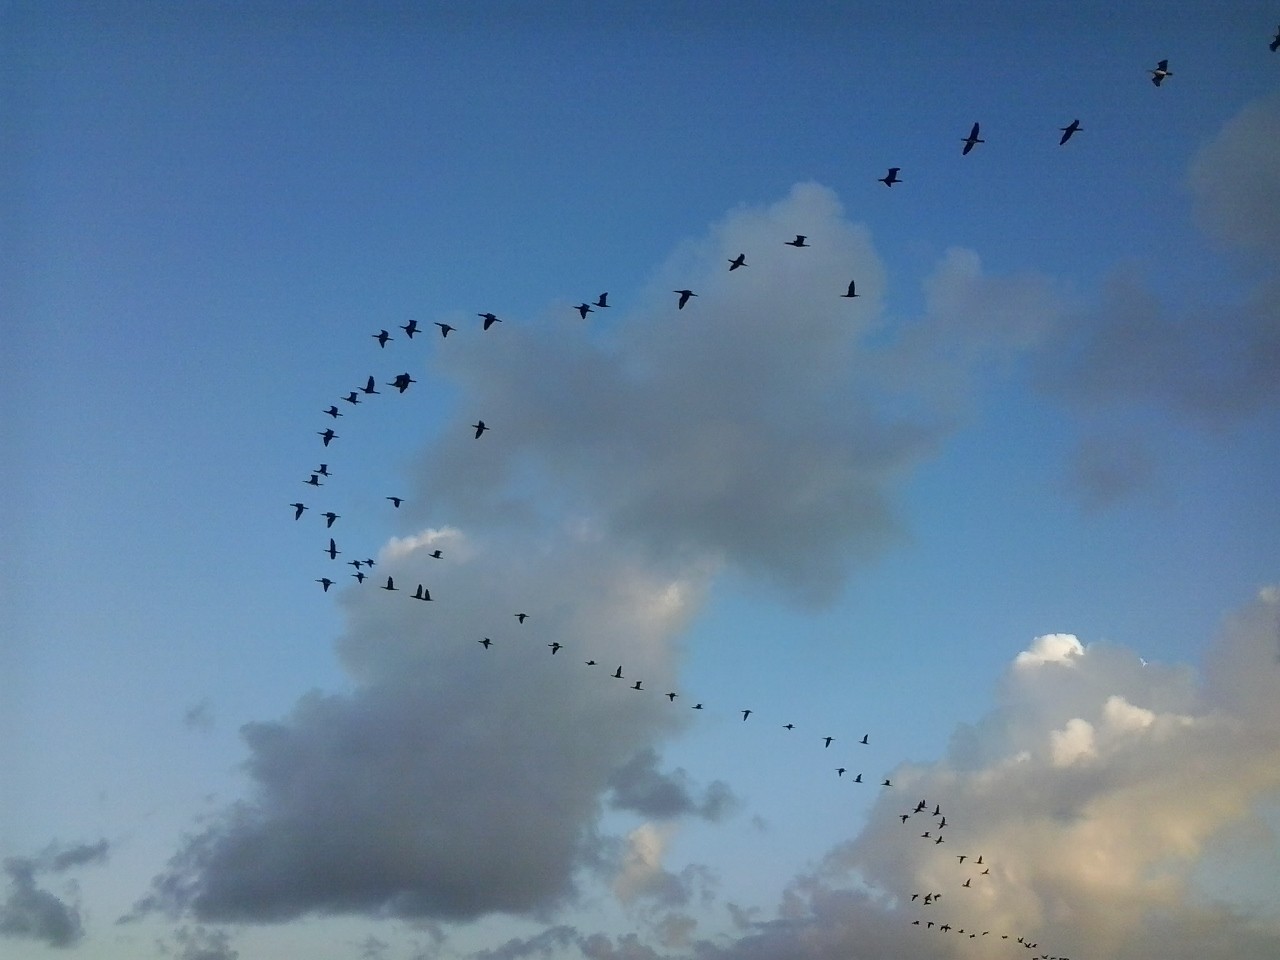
x,y
401,383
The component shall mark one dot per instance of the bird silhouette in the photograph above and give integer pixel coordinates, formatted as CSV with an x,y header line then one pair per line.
x,y
333,412
369,387
617,675
839,771
826,741
368,563
326,436
522,617
967,882
355,563
939,840
1274,45
672,697
1068,130
329,518
962,857
486,643
435,555
850,292
444,328
970,140
863,741
583,309
352,398
359,575
891,177
797,242
395,501
332,550
788,726
479,428
555,646
323,470
314,481
739,261
589,663
858,778
745,714
410,328
903,817
886,783
603,302
684,297
422,593
401,382
1160,72
926,835
382,337
489,319
390,584
636,685
326,583
297,510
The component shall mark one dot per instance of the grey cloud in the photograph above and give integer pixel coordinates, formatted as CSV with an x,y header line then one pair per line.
x,y
31,913
201,943
628,947
549,942
1107,468
638,786
64,858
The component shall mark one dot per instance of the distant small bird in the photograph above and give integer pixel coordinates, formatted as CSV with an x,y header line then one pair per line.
x,y
1068,130
323,470
444,328
788,726
920,806
368,563
739,261
314,481
486,643
903,817
422,593
359,575
1275,43
672,697
851,292
583,309
382,337
410,328
942,823
333,412
970,140
684,297
939,840
329,518
863,741
636,685
355,563
435,554
326,436
401,382
937,809
489,319
555,646
1160,72
826,741
797,242
839,771
603,301
745,714
297,510
390,584
891,177
886,783
858,778
369,387
696,706
967,882
479,428
395,501
617,675
522,617
326,583
352,398
332,550
979,860
926,835
962,857
589,663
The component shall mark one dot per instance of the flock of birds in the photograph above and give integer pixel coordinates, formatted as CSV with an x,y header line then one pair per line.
x,y
936,821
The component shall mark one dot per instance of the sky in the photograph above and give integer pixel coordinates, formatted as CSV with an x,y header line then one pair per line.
x,y
1010,513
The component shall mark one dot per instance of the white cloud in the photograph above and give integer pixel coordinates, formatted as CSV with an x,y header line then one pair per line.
x,y
1050,648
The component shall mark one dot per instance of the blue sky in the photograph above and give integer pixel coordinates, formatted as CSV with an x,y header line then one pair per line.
x,y
1052,412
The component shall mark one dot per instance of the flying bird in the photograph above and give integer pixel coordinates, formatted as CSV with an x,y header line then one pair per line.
x,y
745,714
863,741
332,550
939,840
970,140
850,292
390,584
435,555
886,783
589,663
486,643
352,398
329,518
410,328
1068,130
636,685
858,778
1160,72
326,583
522,617
297,510
444,328
555,646
739,261
684,297
967,882
788,726
395,502
479,428
617,675
422,593
797,242
672,697
382,337
401,382
323,470
1275,43
826,741
314,481
359,575
962,857
696,706
326,436
891,177
489,319
603,301
583,309
333,412
903,817
355,563
839,771
369,387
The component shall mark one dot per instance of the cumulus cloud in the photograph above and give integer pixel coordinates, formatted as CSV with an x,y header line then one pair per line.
x,y
31,912
1094,791
639,786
